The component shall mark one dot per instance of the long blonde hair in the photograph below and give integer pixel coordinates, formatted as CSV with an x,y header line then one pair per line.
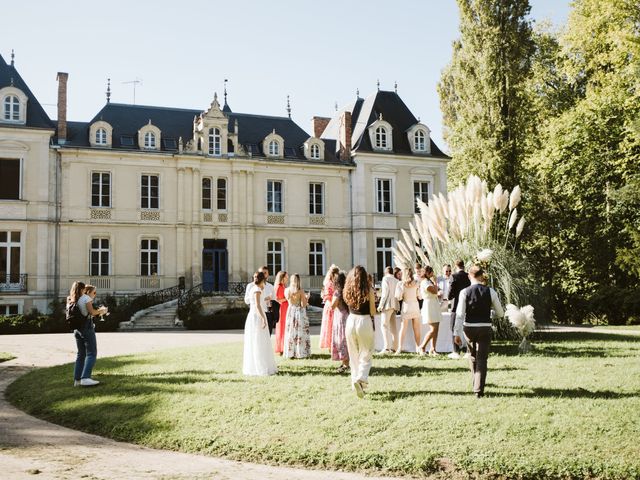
x,y
407,276
75,292
279,279
294,283
331,275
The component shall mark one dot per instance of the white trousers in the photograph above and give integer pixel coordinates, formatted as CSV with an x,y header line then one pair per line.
x,y
389,329
360,343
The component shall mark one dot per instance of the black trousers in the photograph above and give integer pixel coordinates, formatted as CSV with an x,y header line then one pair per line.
x,y
271,321
478,343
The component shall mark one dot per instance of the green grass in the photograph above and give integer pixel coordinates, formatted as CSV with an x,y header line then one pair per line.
x,y
5,357
568,410
617,327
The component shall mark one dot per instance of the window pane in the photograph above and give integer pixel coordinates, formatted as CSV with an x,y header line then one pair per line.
x,y
9,179
15,236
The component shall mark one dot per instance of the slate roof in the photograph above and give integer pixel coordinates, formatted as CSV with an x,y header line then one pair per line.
x,y
366,111
36,116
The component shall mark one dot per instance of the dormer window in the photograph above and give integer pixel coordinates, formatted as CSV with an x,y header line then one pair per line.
x,y
419,139
11,108
274,148
314,149
419,144
215,141
149,140
381,137
101,137
315,152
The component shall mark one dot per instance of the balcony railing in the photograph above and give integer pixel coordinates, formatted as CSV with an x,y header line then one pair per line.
x,y
103,283
15,283
311,282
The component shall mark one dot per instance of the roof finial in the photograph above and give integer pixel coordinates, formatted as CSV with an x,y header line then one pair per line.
x,y
335,105
108,90
225,90
13,56
357,93
395,86
378,83
215,96
12,81
288,107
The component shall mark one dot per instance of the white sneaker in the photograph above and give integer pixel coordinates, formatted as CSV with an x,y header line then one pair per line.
x,y
358,388
467,355
76,383
88,382
454,355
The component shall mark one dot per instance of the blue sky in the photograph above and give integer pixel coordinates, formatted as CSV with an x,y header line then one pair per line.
x,y
319,53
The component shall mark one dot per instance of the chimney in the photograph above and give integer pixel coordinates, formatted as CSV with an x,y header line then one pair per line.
x,y
345,136
319,124
62,107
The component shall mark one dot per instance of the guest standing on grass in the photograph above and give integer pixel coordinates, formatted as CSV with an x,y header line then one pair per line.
x,y
328,287
339,350
459,281
358,295
388,307
258,358
473,319
408,292
282,278
431,312
83,295
297,338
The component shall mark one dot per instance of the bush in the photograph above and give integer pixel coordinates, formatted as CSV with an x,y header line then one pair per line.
x,y
612,305
32,322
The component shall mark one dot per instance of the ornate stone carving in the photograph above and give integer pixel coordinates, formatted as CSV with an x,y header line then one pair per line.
x,y
275,219
100,214
150,215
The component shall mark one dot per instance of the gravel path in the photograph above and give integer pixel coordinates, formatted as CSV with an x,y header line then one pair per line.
x,y
32,448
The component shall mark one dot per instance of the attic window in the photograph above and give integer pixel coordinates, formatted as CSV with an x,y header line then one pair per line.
x,y
11,108
381,137
101,136
315,152
253,149
274,148
419,144
149,140
126,141
290,152
169,143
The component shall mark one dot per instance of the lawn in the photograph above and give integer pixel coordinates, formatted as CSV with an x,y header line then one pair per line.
x,y
5,357
568,410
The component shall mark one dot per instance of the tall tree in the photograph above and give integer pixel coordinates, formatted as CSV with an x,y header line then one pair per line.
x,y
481,91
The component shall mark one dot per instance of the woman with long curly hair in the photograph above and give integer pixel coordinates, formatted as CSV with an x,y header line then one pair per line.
x,y
359,297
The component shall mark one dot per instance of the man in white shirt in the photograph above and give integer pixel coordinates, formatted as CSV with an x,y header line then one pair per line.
x,y
444,284
387,307
473,319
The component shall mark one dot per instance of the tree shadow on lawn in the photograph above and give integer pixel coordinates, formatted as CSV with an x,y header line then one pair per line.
x,y
391,371
555,350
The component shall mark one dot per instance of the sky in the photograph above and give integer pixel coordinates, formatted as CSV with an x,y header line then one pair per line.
x,y
318,53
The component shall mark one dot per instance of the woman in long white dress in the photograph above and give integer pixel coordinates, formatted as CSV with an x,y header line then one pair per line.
x,y
258,358
297,339
431,311
408,293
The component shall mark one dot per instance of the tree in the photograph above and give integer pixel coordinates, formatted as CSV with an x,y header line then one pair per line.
x,y
481,91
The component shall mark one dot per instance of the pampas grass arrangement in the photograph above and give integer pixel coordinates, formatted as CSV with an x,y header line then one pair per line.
x,y
523,321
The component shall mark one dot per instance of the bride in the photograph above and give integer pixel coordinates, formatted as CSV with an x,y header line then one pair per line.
x,y
258,356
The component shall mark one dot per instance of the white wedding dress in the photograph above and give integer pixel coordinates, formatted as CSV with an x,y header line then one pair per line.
x,y
258,358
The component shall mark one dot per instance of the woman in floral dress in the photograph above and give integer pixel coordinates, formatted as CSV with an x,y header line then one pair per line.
x,y
280,284
339,349
328,287
297,340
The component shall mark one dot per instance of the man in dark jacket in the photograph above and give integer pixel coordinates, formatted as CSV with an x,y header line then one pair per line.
x,y
460,280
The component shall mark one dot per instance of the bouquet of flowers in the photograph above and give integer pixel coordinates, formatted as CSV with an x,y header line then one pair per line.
x,y
523,321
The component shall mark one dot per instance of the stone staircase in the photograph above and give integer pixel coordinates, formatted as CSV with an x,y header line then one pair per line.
x,y
314,314
157,318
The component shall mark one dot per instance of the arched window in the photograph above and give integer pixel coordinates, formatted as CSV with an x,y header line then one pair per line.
x,y
274,148
101,136
381,137
149,140
315,151
214,142
11,108
419,144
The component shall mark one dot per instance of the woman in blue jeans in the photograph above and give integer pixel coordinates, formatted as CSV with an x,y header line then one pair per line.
x,y
85,336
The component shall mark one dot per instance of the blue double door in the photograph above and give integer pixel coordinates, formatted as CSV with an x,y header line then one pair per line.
x,y
215,266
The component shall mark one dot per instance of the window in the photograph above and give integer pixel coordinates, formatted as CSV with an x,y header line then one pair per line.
x,y
9,179
222,194
381,137
148,257
11,108
419,144
101,136
316,258
8,310
10,253
100,189
383,195
315,151
126,141
206,194
149,195
384,255
149,140
100,257
274,196
421,191
170,143
214,142
274,148
275,256
316,199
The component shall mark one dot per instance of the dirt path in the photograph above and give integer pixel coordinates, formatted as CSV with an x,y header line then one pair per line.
x,y
32,448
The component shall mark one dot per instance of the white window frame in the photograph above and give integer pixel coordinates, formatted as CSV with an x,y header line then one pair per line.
x,y
5,309
215,142
150,141
145,192
382,142
272,252
11,108
101,187
315,151
314,254
420,193
274,148
226,194
100,250
149,250
272,209
419,141
314,207
20,175
10,244
101,136
202,193
386,252
379,206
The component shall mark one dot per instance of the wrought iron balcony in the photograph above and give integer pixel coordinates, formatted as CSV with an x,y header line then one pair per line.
x,y
14,283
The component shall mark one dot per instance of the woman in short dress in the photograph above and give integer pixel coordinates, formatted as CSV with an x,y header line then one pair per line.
x,y
280,284
258,356
431,311
297,339
328,287
408,293
339,349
